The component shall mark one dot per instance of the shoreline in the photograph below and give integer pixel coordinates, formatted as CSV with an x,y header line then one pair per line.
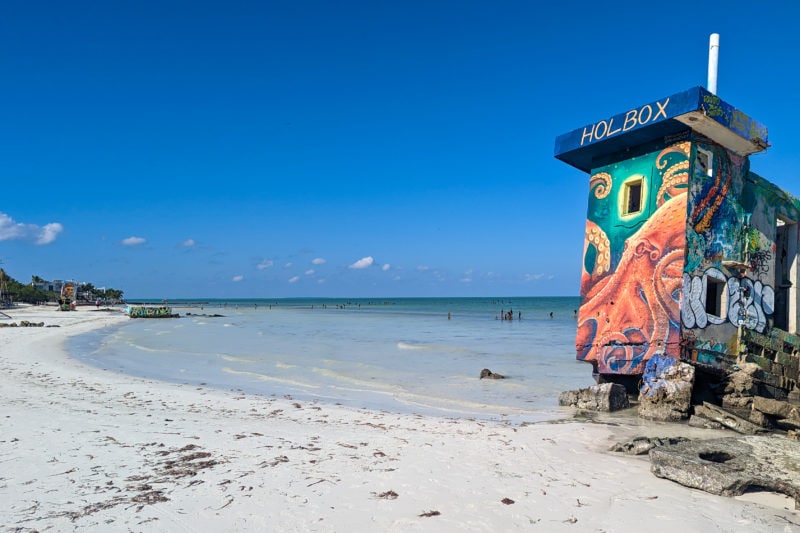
x,y
83,449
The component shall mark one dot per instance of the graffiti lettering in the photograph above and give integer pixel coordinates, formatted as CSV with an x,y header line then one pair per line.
x,y
634,117
749,302
760,261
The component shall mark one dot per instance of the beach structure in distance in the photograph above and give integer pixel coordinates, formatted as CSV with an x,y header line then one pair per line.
x,y
688,255
68,295
145,311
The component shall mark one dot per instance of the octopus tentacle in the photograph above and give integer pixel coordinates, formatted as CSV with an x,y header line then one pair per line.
x,y
597,237
675,180
600,183
683,148
662,284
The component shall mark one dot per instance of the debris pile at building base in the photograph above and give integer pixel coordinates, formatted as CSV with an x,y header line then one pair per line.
x,y
762,455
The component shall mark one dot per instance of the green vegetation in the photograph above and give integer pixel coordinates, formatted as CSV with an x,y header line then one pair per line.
x,y
12,290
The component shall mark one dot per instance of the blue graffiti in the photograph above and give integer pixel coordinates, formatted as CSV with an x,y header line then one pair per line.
x,y
653,370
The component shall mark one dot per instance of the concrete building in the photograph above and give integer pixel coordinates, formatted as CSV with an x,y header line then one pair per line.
x,y
49,286
688,255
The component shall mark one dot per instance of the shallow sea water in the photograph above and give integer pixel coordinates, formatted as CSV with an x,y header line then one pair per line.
x,y
401,355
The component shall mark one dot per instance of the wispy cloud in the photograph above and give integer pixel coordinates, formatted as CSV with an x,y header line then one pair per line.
x,y
294,279
189,243
309,272
423,268
537,277
133,241
364,262
288,265
238,278
386,267
318,261
38,234
263,265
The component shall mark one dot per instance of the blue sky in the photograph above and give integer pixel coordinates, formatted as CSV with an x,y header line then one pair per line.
x,y
282,149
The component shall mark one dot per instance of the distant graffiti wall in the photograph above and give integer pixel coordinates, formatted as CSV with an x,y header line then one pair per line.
x,y
633,260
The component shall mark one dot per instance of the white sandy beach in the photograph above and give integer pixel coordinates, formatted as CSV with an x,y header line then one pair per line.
x,y
82,449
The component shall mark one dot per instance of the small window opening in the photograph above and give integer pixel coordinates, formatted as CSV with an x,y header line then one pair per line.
x,y
705,162
716,297
633,197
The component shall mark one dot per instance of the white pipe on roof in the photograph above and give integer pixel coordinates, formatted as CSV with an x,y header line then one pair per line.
x,y
713,62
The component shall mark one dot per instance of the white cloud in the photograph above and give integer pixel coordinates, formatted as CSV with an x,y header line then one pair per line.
x,y
386,267
309,272
423,268
266,263
288,265
534,277
294,279
238,278
49,233
40,235
188,243
318,261
134,241
364,262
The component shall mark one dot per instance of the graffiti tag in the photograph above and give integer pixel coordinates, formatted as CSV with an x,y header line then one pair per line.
x,y
749,302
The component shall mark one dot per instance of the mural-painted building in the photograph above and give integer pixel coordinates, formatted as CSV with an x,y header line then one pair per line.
x,y
687,253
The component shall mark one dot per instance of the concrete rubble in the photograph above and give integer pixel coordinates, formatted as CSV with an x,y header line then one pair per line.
x,y
764,455
643,445
666,393
602,397
727,419
732,466
22,324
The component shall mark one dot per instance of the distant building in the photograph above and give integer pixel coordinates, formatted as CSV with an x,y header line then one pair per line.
x,y
687,253
49,286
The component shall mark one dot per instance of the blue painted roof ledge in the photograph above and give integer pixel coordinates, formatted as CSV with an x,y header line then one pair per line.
x,y
695,109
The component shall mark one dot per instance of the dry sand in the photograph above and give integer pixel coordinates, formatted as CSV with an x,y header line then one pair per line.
x,y
83,449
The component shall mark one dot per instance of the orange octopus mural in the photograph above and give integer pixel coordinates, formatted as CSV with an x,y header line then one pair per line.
x,y
631,311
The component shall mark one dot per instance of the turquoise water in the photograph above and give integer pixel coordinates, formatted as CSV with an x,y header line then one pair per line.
x,y
394,354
